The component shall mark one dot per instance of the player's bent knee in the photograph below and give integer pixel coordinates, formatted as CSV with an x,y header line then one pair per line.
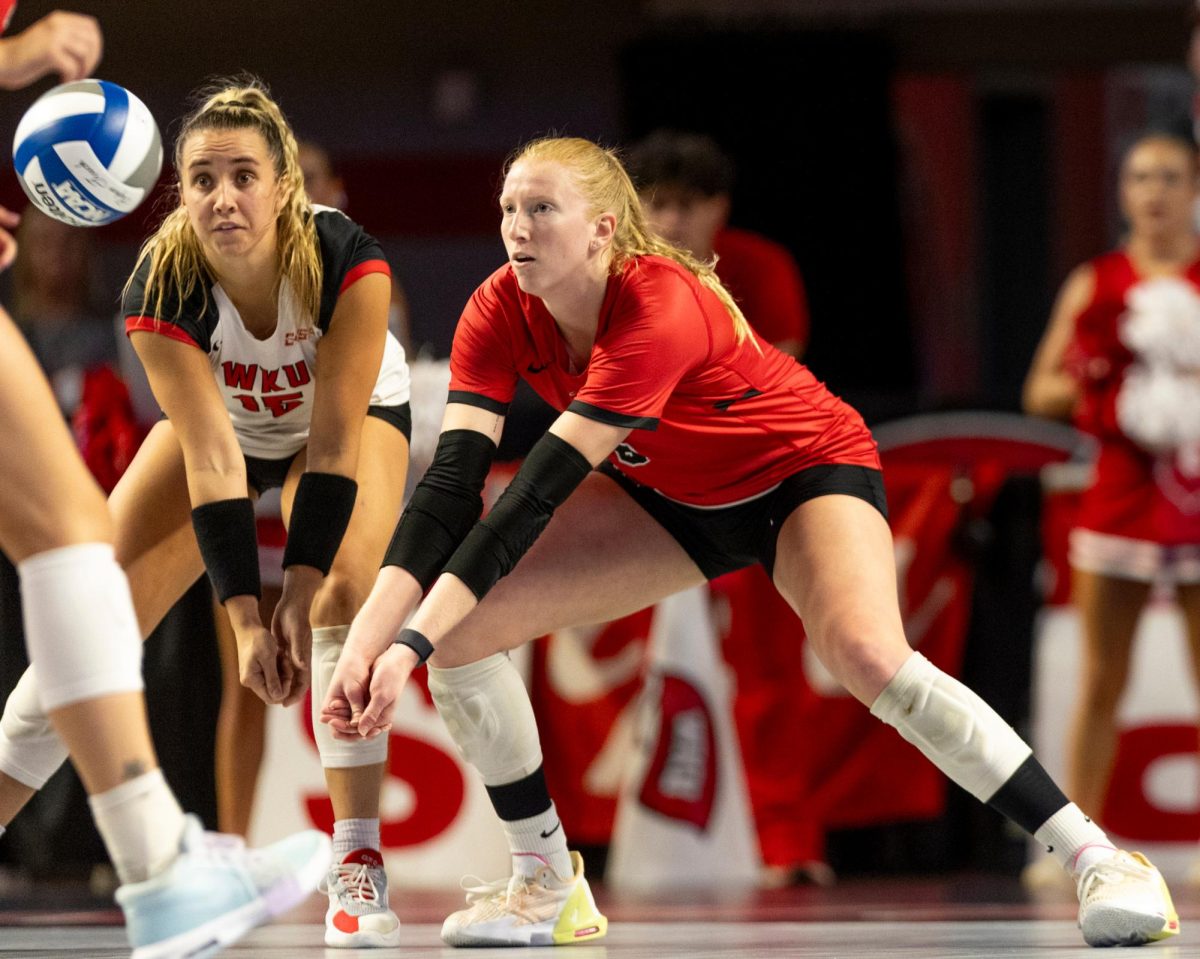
x,y
487,711
30,750
952,726
339,599
80,625
337,753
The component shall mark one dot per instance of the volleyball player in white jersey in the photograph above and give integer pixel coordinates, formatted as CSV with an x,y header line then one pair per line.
x,y
261,321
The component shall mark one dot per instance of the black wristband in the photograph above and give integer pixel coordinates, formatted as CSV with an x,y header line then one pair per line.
x,y
226,534
550,473
444,506
417,643
320,515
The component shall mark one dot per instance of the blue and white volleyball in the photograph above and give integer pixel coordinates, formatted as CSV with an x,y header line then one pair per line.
x,y
87,152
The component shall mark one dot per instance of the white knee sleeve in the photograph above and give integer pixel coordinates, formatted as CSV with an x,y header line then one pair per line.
x,y
80,628
486,708
337,753
30,750
958,731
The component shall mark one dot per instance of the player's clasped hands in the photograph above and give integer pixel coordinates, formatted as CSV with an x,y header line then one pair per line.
x,y
364,691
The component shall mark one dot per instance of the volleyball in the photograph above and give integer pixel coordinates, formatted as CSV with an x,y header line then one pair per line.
x,y
87,152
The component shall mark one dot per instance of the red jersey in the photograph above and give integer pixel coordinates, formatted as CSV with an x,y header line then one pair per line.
x,y
764,279
714,422
7,9
1134,494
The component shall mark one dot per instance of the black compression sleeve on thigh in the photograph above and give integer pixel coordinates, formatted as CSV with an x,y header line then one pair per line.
x,y
444,506
228,542
551,472
320,515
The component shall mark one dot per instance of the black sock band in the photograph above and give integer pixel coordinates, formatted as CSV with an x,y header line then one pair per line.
x,y
1029,797
523,799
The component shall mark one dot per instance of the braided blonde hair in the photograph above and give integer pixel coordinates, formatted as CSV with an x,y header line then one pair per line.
x,y
601,178
177,261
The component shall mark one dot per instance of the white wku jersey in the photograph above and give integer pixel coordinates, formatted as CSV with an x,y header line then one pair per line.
x,y
268,385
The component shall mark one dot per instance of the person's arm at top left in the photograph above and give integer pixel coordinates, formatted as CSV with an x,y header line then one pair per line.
x,y
69,44
349,356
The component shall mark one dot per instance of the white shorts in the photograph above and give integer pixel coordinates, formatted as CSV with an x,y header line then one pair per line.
x,y
1136,559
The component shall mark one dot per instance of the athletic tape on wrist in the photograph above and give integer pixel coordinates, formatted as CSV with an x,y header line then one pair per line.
x,y
417,643
226,534
320,515
444,506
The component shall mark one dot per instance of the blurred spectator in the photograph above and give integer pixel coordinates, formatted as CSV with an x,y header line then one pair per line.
x,y
1121,356
325,187
54,303
685,183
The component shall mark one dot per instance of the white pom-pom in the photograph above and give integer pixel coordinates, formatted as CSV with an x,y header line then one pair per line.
x,y
1162,323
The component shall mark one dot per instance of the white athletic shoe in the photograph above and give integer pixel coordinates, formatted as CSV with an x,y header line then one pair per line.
x,y
217,890
1123,901
359,916
539,910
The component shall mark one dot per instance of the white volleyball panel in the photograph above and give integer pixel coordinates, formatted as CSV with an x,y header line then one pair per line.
x,y
79,158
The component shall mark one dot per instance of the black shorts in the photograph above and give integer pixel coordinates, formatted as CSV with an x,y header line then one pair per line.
x,y
264,474
733,537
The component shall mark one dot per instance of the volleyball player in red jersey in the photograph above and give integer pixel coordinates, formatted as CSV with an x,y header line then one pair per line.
x,y
714,451
183,890
1123,321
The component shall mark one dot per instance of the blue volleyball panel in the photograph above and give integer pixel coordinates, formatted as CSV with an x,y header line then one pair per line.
x,y
42,140
107,137
56,173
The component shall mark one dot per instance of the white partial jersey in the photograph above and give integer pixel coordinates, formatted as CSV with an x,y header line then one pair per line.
x,y
268,385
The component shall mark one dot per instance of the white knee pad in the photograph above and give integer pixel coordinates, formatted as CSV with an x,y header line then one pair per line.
x,y
337,753
486,708
30,750
80,626
958,731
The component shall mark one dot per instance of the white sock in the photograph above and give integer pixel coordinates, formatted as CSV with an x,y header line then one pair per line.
x,y
539,840
141,824
352,834
1074,840
3,830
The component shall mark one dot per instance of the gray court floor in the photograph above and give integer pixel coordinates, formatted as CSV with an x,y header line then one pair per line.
x,y
1009,939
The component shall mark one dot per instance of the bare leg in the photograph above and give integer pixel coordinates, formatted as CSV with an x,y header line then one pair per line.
x,y
150,529
1108,610
383,461
241,727
56,503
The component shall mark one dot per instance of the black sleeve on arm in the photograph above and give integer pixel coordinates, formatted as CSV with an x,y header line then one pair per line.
x,y
320,514
551,472
225,532
444,506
